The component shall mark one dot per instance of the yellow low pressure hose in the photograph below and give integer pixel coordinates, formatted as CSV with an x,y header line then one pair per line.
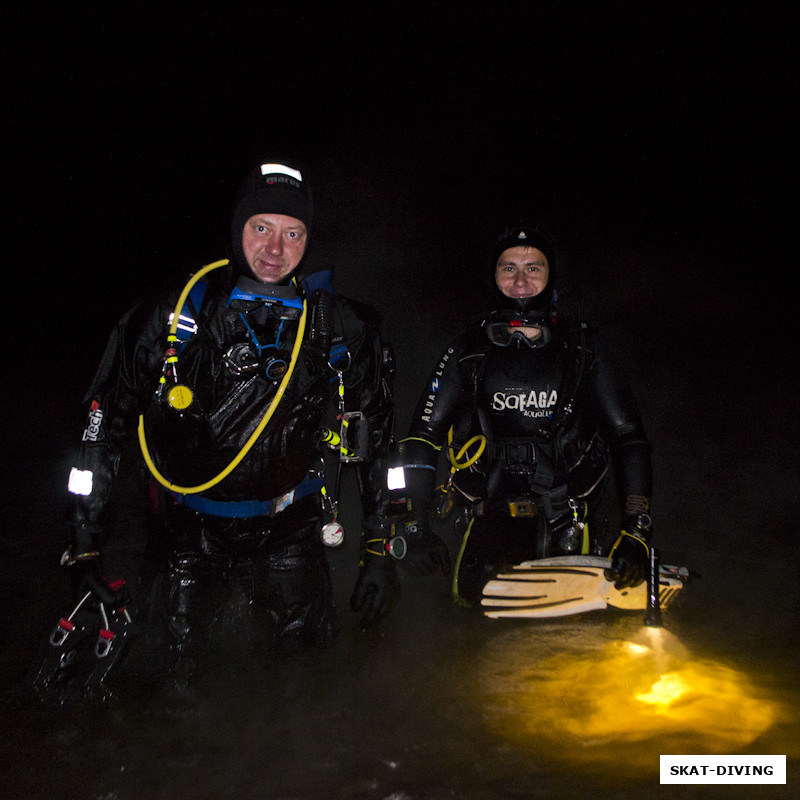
x,y
455,458
261,425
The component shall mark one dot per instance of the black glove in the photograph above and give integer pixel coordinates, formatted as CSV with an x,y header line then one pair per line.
x,y
86,576
377,589
426,553
630,557
378,586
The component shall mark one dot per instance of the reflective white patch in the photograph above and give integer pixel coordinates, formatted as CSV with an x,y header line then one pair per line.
x,y
80,481
280,169
395,478
185,323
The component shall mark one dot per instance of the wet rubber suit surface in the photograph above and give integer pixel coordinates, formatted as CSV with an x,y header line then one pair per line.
x,y
553,417
248,528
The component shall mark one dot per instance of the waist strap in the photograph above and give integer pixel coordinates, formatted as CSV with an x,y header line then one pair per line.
x,y
239,509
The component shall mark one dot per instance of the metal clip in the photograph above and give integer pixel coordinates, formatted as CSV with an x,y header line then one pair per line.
x,y
105,637
61,631
65,625
104,640
574,536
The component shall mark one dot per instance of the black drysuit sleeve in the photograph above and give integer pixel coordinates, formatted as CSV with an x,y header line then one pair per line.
x,y
123,384
621,425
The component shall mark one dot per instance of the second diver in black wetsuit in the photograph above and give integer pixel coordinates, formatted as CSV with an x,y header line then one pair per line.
x,y
565,450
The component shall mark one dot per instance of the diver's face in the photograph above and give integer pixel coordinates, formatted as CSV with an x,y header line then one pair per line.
x,y
522,272
273,245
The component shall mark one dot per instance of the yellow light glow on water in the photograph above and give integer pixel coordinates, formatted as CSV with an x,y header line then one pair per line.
x,y
646,693
667,688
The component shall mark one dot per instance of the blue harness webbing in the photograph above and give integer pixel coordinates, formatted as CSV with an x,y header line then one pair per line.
x,y
187,324
241,509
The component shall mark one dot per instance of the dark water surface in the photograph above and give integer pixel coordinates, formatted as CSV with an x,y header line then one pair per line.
x,y
439,706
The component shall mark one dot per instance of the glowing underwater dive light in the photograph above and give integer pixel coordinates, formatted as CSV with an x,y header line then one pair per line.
x,y
652,618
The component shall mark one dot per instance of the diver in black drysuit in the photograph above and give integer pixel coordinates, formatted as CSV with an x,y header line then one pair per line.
x,y
565,446
259,525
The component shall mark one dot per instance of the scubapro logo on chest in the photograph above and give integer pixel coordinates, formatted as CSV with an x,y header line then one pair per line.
x,y
532,404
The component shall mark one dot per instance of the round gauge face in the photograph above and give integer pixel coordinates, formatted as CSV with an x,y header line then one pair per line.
x,y
180,397
332,534
397,547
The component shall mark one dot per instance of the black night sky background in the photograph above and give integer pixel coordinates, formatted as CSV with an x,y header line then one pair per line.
x,y
654,141
663,129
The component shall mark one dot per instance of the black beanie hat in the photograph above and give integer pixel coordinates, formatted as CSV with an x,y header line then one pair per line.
x,y
524,236
269,189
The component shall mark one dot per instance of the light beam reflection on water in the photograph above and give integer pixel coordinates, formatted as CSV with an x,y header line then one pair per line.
x,y
579,691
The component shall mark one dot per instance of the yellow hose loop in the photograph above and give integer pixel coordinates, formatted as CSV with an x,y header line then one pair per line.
x,y
261,425
455,459
173,327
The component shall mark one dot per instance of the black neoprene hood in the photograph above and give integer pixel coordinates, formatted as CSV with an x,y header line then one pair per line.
x,y
269,189
540,306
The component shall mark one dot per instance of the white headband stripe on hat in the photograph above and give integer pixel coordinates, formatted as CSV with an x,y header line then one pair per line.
x,y
281,169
